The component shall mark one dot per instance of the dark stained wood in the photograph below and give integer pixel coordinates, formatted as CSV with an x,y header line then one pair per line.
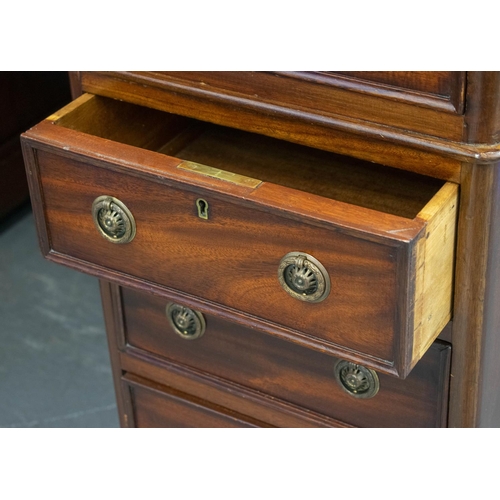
x,y
489,368
75,81
151,167
373,256
158,406
226,394
293,92
439,89
446,334
388,146
36,196
113,319
475,382
475,376
287,371
483,107
332,176
122,122
264,408
440,83
173,248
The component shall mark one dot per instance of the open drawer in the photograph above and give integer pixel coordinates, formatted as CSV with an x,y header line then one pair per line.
x,y
338,255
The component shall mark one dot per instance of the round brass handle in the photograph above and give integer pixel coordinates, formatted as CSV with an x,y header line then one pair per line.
x,y
113,219
357,380
304,277
187,323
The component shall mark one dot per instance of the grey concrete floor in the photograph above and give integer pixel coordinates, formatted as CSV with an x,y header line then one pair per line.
x,y
54,362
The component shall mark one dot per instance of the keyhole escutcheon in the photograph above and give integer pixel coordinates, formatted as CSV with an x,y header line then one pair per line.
x,y
202,206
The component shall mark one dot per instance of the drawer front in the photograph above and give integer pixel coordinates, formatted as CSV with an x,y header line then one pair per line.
x,y
287,371
428,102
153,405
443,89
390,275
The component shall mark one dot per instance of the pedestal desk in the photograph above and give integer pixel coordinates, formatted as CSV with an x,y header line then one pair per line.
x,y
284,249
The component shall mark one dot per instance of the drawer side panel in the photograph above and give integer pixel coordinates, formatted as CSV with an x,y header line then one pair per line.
x,y
435,266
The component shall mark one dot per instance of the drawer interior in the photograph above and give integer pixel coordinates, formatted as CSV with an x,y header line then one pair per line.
x,y
329,175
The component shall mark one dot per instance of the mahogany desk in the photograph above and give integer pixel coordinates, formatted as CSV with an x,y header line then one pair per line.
x,y
284,249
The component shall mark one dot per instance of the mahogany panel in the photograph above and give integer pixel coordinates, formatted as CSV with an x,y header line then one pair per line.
x,y
475,394
476,322
113,319
483,109
159,406
443,88
231,259
226,394
300,92
287,371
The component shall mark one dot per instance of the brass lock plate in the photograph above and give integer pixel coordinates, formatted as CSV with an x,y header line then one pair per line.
x,y
217,173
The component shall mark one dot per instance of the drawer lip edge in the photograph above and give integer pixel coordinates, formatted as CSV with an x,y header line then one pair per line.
x,y
101,153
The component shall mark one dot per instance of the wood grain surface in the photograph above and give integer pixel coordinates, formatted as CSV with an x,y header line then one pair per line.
x,y
438,89
300,92
434,269
483,108
475,375
231,259
362,139
475,382
286,371
360,221
157,406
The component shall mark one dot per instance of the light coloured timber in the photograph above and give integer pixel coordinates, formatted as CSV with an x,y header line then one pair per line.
x,y
434,269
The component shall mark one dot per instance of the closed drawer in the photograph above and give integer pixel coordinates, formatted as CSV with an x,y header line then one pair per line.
x,y
427,102
154,405
383,238
284,370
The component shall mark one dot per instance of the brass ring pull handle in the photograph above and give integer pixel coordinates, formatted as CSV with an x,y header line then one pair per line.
x,y
304,277
187,323
357,380
113,219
